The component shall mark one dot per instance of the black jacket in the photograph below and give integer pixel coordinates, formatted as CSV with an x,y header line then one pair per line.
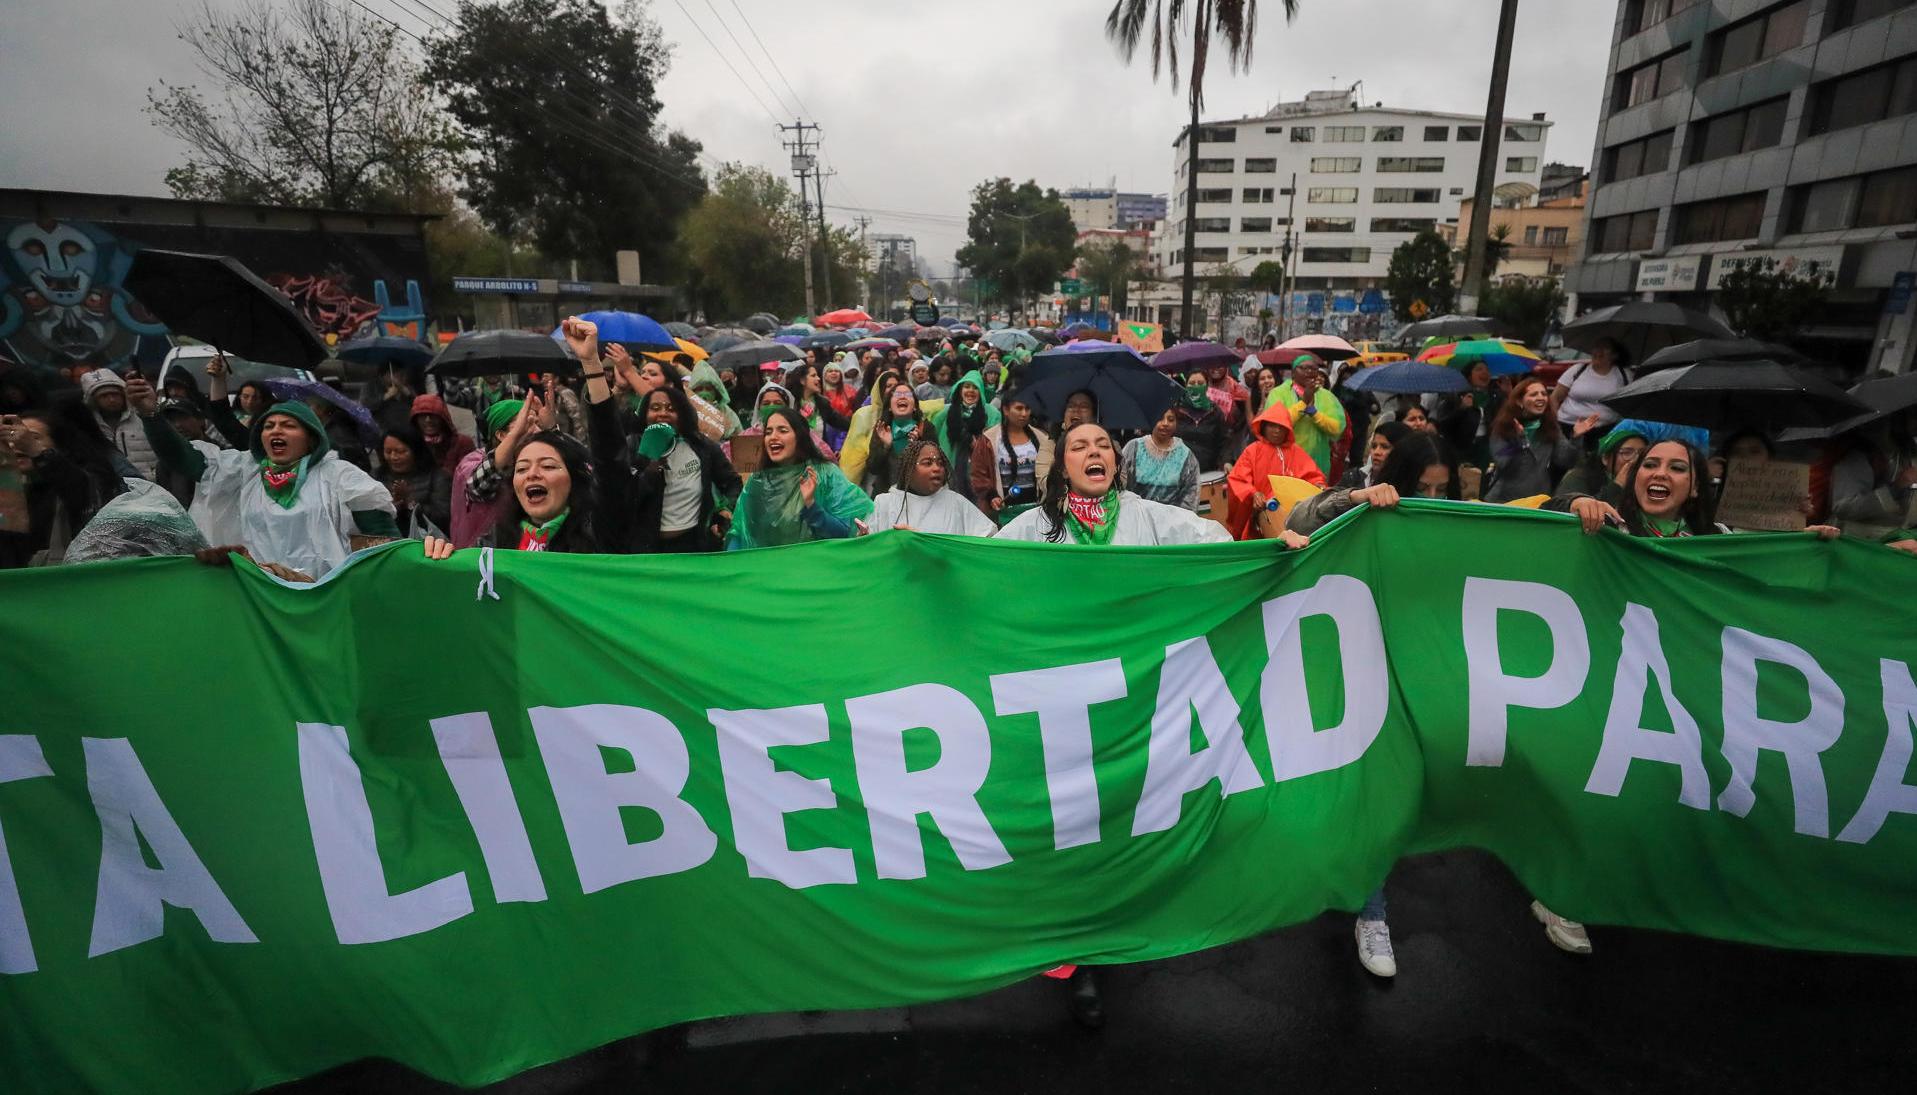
x,y
646,493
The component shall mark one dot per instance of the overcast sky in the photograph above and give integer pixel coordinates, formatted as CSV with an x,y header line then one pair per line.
x,y
918,101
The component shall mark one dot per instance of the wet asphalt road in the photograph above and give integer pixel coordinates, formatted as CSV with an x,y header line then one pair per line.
x,y
1481,1002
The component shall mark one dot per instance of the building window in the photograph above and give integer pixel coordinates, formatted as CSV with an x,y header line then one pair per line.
x,y
1521,164
1734,218
1747,130
1214,194
1210,254
1470,132
1456,190
1864,97
1524,132
1331,224
1303,134
1404,224
1345,134
1557,237
1221,134
1530,235
1387,133
1860,201
1641,157
1331,195
1254,224
1644,83
1284,191
1849,13
1399,164
1336,165
1261,167
1437,133
1410,195
1335,254
1281,222
1214,224
1626,232
1255,194
1644,14
1274,129
1760,36
1216,167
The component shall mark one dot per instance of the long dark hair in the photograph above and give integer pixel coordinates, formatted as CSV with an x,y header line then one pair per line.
x,y
409,436
1052,500
74,435
1509,427
804,447
688,419
1005,432
795,380
578,535
1700,510
1404,466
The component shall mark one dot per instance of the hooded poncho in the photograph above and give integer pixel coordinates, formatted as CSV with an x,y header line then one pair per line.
x,y
1260,461
770,509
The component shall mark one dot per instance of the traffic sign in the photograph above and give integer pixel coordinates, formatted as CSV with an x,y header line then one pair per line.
x,y
1072,287
925,313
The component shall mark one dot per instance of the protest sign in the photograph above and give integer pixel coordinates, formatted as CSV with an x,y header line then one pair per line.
x,y
1764,494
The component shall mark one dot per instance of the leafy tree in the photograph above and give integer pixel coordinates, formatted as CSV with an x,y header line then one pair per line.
x,y
459,244
1111,266
1168,21
315,104
1525,307
745,245
1267,276
1497,248
1018,236
558,102
1420,270
1764,300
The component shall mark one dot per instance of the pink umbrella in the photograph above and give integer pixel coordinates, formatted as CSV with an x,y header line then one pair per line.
x,y
1330,347
844,317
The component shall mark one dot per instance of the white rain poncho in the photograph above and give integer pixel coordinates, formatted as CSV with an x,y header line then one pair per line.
x,y
1140,522
312,536
944,512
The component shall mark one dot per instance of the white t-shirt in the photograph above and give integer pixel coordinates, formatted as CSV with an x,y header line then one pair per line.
x,y
679,509
1587,387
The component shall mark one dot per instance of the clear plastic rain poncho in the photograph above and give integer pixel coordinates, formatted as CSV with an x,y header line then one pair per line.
x,y
145,521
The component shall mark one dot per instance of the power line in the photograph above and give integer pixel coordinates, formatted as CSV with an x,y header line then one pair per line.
x,y
803,108
724,26
726,61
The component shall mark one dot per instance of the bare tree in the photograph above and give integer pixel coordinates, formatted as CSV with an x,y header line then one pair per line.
x,y
314,104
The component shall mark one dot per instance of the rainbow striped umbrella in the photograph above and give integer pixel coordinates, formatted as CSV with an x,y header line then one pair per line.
x,y
1503,357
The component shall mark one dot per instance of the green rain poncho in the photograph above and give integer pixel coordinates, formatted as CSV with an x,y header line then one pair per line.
x,y
707,386
988,417
770,509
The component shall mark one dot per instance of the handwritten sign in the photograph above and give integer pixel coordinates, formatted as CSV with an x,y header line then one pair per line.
x,y
1146,338
1764,495
748,452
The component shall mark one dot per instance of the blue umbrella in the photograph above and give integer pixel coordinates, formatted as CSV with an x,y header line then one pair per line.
x,y
1130,395
387,350
800,329
638,334
1407,377
824,340
286,387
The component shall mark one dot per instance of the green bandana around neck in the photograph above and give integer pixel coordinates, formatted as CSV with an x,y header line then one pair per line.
x,y
282,485
535,537
1531,430
1098,535
1662,528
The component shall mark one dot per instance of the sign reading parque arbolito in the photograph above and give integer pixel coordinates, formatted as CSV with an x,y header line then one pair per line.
x,y
399,842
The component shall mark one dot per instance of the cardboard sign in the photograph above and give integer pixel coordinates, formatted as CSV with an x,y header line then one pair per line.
x,y
1764,494
1146,338
748,452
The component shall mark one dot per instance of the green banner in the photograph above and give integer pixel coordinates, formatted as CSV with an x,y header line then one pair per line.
x,y
481,814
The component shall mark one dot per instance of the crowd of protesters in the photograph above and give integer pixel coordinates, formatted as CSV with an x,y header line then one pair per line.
x,y
662,453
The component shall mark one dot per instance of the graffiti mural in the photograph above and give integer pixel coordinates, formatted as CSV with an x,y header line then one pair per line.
x,y
328,302
61,304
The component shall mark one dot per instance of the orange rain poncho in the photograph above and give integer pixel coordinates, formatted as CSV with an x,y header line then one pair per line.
x,y
1260,461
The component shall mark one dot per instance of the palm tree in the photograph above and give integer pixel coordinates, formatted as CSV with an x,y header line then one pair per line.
x,y
1232,20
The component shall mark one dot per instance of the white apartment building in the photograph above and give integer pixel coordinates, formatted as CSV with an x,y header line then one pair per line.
x,y
1368,179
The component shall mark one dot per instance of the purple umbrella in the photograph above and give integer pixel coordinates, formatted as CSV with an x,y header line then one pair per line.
x,y
284,387
1187,356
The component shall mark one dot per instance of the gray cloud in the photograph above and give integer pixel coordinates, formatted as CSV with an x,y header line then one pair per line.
x,y
919,102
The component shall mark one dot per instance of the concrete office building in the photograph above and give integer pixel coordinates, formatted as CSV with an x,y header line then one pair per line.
x,y
1739,130
1369,177
1094,208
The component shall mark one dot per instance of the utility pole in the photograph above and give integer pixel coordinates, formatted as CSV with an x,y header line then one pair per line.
x,y
1289,280
825,241
865,283
1488,159
803,163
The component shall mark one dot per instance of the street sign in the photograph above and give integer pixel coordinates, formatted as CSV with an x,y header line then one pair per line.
x,y
987,287
1072,287
1419,309
496,285
925,313
918,291
575,286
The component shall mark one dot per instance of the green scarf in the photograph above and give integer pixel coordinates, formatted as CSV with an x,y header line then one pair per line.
x,y
282,485
1663,529
902,435
537,537
1198,398
1531,430
1096,535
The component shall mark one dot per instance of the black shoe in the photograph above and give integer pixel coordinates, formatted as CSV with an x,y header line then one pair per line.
x,y
1088,1008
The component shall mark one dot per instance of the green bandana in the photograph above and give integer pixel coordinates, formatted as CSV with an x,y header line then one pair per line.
x,y
902,434
1531,430
535,537
283,484
1098,535
1198,398
1662,528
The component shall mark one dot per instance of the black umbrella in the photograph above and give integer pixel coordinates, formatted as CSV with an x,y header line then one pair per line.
x,y
898,332
1884,398
1719,349
1643,327
220,302
1130,394
1449,327
497,353
683,330
726,340
760,325
1768,396
750,355
824,340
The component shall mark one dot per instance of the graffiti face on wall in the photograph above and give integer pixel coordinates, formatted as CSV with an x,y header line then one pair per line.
x,y
60,298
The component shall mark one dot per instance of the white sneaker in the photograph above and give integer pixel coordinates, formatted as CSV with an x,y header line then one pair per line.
x,y
1566,935
1374,948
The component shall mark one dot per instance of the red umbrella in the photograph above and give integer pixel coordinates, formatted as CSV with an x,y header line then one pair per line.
x,y
1282,357
844,317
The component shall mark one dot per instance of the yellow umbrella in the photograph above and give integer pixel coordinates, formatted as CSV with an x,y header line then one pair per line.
x,y
691,349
